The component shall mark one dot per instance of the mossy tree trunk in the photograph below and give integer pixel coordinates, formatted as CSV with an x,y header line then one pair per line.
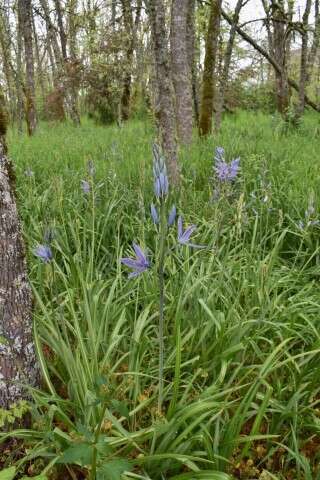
x,y
18,364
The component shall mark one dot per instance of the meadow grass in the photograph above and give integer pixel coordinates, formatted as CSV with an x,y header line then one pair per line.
x,y
242,337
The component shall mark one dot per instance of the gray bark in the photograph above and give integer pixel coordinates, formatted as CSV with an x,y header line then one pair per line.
x,y
18,364
303,60
180,68
25,20
165,108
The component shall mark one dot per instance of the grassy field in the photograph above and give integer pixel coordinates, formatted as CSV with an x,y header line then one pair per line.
x,y
242,316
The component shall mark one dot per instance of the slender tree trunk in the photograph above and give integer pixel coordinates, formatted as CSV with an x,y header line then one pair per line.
x,y
280,55
72,64
165,108
18,363
181,73
303,60
315,42
191,52
5,47
25,20
130,43
18,76
226,65
208,81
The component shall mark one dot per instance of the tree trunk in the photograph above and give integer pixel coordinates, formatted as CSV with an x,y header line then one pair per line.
x,y
226,65
165,108
191,52
130,41
280,56
18,364
72,65
315,42
303,60
208,81
25,20
181,72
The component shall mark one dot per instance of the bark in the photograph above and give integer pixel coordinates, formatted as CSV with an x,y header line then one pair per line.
x,y
72,64
226,65
129,48
315,42
18,76
303,60
280,56
18,364
208,81
5,46
62,33
180,68
165,108
191,51
25,20
270,59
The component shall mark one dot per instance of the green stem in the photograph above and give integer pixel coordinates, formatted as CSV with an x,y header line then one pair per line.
x,y
163,233
93,472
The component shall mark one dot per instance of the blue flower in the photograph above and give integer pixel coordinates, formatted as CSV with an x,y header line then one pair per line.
x,y
85,186
154,214
44,253
139,264
226,172
184,235
172,216
161,183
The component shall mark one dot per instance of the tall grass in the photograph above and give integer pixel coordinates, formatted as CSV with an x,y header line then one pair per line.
x,y
242,341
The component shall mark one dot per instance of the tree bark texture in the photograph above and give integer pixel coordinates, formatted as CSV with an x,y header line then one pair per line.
x,y
181,72
165,107
226,65
303,60
25,20
280,56
18,364
208,81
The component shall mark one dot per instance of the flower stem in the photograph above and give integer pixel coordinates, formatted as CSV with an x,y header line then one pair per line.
x,y
163,232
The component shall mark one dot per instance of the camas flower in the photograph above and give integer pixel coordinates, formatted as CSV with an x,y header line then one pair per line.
x,y
161,183
85,186
154,214
172,216
139,264
225,172
184,235
44,253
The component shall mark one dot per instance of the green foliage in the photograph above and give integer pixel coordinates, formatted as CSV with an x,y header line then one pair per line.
x,y
15,413
242,329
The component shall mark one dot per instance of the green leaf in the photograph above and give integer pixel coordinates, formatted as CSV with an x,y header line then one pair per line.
x,y
79,453
120,407
8,473
113,469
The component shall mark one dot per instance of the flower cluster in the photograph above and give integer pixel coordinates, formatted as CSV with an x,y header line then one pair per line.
x,y
225,172
161,183
164,219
